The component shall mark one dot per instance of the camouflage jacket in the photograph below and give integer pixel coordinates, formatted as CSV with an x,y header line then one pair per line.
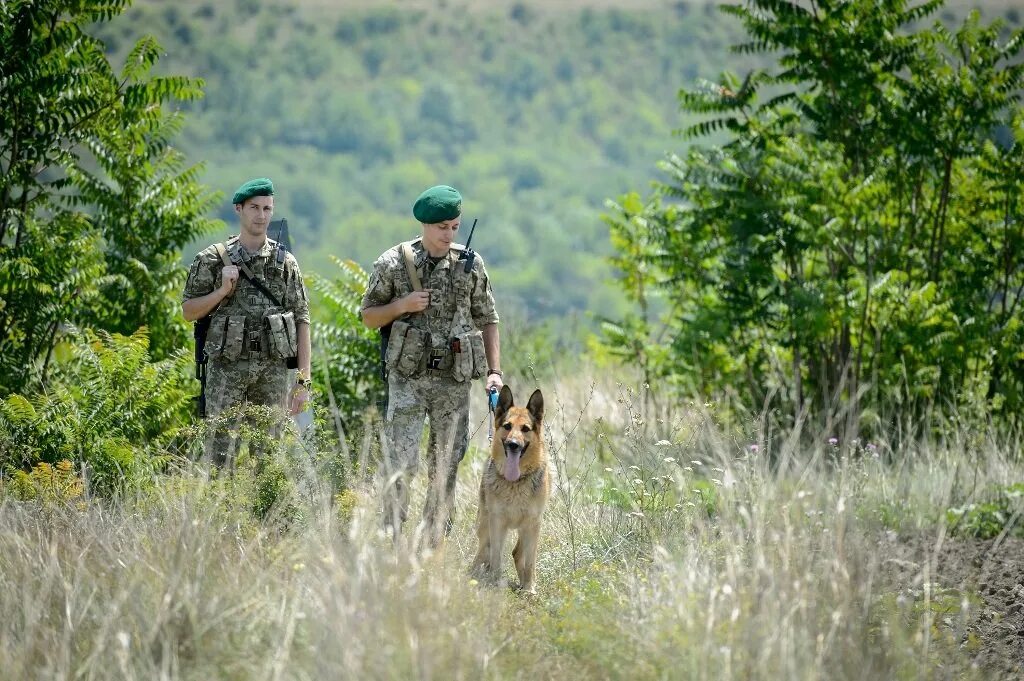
x,y
460,301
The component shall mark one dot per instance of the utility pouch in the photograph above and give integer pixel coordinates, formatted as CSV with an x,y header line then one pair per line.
x,y
234,338
282,342
470,360
216,332
406,349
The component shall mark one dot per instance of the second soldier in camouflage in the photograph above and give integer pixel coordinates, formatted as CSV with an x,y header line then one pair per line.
x,y
444,335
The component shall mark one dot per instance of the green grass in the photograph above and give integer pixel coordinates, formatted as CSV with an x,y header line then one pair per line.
x,y
765,573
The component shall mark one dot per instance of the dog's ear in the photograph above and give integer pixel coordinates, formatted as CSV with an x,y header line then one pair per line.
x,y
504,402
536,406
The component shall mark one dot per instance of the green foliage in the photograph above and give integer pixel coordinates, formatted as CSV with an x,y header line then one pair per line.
x,y
57,484
108,408
347,359
656,485
94,203
853,247
273,489
989,519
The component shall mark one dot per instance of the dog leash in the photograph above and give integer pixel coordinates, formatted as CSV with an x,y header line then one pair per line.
x,y
492,402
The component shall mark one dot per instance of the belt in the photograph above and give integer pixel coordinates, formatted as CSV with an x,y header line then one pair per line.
x,y
440,360
253,348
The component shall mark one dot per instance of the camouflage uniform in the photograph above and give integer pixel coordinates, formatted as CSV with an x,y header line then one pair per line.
x,y
242,367
459,303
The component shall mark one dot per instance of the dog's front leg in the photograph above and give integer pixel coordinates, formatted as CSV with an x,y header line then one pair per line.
x,y
496,544
525,555
483,537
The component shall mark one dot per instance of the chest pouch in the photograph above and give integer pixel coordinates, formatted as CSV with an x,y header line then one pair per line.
x,y
215,337
233,340
281,337
407,349
470,358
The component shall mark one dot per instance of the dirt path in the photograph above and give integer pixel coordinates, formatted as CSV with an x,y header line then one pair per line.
x,y
992,569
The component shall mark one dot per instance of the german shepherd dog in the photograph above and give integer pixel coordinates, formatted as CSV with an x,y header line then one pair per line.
x,y
514,489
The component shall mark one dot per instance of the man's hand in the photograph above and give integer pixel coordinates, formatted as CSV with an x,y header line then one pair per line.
x,y
229,280
299,397
417,301
493,381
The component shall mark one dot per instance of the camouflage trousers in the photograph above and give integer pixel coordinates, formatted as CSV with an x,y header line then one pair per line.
x,y
243,382
446,404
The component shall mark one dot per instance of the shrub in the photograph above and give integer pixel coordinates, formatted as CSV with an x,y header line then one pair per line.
x,y
347,362
991,518
108,409
49,484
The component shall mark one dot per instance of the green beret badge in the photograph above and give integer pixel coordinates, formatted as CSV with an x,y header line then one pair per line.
x,y
438,204
260,186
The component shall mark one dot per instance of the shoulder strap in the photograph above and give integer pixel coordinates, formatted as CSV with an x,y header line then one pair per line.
x,y
410,265
222,251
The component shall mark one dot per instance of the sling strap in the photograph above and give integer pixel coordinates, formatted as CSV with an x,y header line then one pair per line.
x,y
247,273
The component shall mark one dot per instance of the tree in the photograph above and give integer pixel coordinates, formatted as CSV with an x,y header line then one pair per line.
x,y
94,203
853,244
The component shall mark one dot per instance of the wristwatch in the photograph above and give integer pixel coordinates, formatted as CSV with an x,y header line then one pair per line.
x,y
494,372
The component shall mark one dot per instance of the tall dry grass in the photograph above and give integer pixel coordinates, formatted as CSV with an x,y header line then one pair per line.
x,y
672,549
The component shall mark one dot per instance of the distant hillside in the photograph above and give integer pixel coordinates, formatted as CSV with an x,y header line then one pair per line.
x,y
537,112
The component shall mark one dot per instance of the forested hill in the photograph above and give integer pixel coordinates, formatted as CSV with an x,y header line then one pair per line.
x,y
537,115
537,112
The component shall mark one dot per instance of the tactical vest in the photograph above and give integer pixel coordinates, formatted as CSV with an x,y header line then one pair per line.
x,y
441,340
247,324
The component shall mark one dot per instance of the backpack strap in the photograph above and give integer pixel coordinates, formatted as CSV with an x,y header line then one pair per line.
x,y
222,251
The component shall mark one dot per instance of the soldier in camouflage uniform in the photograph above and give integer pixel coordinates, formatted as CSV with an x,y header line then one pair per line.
x,y
444,334
250,338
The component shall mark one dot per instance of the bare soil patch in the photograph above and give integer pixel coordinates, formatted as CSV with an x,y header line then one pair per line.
x,y
993,570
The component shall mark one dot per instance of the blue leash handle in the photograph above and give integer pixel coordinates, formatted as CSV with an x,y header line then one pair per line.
x,y
492,402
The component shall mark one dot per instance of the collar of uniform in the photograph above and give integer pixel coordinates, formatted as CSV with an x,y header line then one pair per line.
x,y
420,256
245,255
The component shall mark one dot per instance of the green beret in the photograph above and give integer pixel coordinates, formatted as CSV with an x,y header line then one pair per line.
x,y
438,204
260,186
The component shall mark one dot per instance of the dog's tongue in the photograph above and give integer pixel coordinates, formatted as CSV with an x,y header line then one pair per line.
x,y
511,467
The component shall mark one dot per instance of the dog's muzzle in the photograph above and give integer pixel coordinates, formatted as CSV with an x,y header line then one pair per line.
x,y
513,453
513,448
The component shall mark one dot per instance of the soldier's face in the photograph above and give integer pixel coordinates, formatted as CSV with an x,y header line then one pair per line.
x,y
255,214
439,236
